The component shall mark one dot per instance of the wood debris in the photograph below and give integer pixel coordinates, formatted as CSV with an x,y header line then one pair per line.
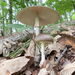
x,y
9,43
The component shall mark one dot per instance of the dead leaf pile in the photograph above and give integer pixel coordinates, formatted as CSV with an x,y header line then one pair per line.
x,y
59,57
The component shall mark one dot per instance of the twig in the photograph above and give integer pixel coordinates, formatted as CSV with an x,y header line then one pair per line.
x,y
64,51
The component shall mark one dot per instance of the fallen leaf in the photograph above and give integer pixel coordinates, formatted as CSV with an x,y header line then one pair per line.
x,y
31,50
13,65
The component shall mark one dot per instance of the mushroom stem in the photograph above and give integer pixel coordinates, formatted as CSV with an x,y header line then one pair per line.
x,y
36,26
42,54
37,32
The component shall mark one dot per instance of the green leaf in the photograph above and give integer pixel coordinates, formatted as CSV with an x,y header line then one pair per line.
x,y
16,25
73,16
3,3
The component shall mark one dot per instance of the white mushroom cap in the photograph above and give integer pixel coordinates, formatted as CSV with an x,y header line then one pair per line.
x,y
45,15
46,38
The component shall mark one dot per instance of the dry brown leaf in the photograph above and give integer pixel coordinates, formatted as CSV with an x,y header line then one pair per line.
x,y
8,45
11,66
52,72
43,71
1,47
55,46
66,32
2,59
67,40
6,52
45,64
68,69
28,72
30,52
35,72
10,41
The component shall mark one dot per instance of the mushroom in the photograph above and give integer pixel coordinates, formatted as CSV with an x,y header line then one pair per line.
x,y
43,39
37,16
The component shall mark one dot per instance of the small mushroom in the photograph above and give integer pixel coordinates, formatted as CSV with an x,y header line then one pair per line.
x,y
37,16
43,39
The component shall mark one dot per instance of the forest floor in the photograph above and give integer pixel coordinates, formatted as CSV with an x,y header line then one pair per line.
x,y
20,54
